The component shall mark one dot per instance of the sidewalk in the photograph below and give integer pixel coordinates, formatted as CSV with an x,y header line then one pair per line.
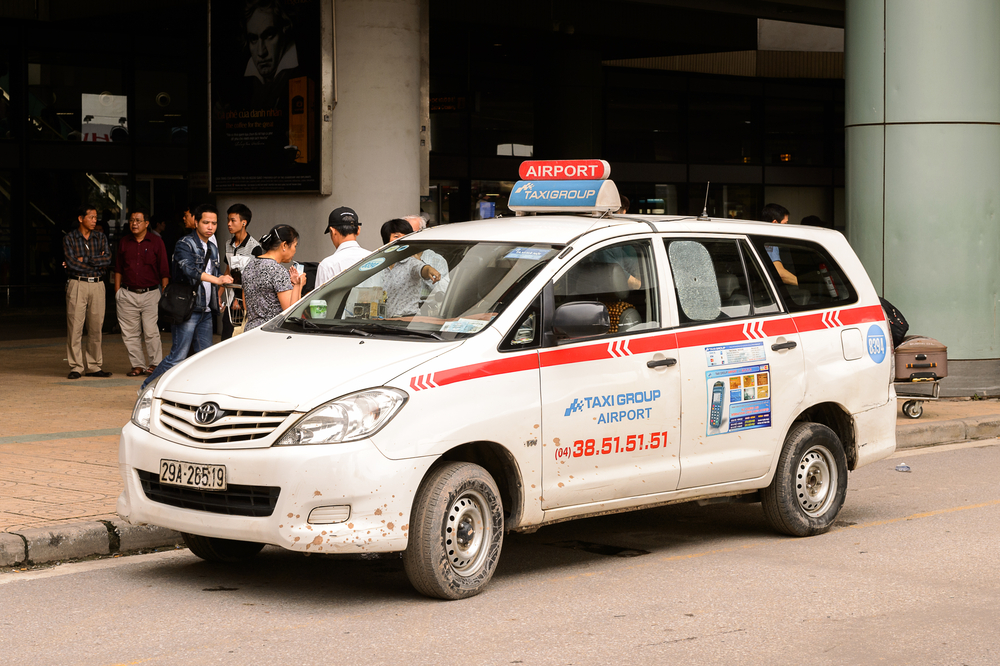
x,y
59,478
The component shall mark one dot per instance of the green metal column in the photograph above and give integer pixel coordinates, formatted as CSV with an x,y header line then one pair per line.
x,y
923,163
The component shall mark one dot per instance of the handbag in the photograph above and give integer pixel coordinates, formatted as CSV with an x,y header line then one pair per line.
x,y
897,322
177,301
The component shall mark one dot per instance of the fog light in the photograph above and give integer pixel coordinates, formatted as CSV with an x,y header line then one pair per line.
x,y
327,515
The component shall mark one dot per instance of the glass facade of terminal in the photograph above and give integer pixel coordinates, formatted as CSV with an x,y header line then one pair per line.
x,y
110,110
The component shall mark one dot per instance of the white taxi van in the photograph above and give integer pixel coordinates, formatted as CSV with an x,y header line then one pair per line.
x,y
561,365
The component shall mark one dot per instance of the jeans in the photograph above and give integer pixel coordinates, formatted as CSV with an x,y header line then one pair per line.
x,y
189,338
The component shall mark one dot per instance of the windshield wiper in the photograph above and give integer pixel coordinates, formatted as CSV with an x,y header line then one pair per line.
x,y
304,323
395,330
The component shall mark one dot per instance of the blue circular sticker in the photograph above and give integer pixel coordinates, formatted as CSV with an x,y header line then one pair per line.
x,y
368,265
876,344
400,248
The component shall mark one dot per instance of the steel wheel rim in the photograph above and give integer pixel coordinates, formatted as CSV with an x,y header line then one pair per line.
x,y
816,481
468,533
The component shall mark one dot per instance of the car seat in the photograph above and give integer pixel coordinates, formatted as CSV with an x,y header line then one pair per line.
x,y
608,284
733,301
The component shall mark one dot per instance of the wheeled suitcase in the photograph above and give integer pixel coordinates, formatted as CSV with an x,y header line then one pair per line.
x,y
920,358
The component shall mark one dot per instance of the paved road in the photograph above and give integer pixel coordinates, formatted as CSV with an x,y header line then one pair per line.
x,y
909,576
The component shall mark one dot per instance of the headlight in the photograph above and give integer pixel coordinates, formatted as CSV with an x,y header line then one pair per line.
x,y
346,419
143,408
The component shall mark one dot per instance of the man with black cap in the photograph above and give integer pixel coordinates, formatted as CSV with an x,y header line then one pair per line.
x,y
343,227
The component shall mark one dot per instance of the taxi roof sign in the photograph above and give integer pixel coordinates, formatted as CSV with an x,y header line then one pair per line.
x,y
564,170
566,196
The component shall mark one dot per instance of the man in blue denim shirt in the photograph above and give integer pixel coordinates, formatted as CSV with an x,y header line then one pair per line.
x,y
196,262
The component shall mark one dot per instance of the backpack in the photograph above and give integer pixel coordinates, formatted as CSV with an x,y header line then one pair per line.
x,y
897,322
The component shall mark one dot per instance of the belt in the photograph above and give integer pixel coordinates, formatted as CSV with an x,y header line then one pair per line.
x,y
85,279
142,290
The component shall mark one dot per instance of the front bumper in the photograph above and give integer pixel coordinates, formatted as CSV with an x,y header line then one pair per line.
x,y
379,491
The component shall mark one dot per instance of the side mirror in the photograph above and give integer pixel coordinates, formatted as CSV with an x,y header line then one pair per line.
x,y
581,319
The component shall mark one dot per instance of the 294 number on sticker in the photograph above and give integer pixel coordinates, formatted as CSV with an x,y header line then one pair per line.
x,y
582,448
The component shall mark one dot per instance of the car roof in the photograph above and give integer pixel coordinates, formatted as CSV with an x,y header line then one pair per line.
x,y
562,229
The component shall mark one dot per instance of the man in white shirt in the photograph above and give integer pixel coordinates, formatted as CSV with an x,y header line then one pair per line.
x,y
343,227
431,293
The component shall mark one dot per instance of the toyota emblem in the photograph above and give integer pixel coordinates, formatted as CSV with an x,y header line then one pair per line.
x,y
208,413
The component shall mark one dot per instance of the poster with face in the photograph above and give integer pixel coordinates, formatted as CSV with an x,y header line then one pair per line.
x,y
266,68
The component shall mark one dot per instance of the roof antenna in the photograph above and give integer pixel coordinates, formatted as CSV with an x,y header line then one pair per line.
x,y
704,211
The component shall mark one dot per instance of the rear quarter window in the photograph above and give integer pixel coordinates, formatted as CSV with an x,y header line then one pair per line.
x,y
805,274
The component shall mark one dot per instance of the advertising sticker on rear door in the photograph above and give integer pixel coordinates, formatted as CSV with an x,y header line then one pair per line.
x,y
738,398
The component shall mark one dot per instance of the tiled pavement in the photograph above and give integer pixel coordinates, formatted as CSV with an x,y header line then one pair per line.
x,y
59,437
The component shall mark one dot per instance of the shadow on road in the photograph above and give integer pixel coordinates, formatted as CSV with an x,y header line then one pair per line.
x,y
278,576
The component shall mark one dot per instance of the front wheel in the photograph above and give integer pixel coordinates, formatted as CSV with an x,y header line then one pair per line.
x,y
913,409
214,549
810,484
456,532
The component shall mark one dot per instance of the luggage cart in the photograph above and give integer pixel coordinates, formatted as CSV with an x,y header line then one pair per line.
x,y
920,362
913,401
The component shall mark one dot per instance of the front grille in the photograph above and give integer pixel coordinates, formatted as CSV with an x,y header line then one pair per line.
x,y
236,425
254,501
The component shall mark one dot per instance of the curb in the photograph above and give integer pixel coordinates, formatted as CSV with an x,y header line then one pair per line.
x,y
113,537
916,435
79,540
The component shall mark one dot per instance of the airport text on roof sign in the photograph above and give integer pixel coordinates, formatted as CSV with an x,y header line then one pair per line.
x,y
550,187
564,170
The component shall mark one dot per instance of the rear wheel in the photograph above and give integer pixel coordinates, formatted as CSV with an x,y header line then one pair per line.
x,y
214,549
456,532
810,484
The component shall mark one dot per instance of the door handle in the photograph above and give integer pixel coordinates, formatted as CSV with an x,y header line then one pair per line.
x,y
662,362
784,345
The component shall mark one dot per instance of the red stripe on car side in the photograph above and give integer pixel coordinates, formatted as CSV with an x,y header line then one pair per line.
x,y
664,342
654,343
711,336
871,313
489,369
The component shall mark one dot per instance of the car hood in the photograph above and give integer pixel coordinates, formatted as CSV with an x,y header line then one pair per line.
x,y
293,371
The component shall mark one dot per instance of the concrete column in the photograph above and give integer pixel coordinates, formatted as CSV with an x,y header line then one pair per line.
x,y
923,168
376,131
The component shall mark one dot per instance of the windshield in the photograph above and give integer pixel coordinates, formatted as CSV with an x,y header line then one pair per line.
x,y
435,290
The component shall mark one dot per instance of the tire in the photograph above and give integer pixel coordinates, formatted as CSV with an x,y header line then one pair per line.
x,y
913,409
810,484
456,532
213,549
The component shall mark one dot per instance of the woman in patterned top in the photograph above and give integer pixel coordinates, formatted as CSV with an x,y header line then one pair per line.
x,y
268,287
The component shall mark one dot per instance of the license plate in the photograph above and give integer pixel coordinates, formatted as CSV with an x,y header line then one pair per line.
x,y
190,475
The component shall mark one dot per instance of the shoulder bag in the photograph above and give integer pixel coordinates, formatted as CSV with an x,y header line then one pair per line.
x,y
178,299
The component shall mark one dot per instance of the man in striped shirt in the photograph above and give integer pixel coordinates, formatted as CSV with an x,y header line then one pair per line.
x,y
241,245
87,257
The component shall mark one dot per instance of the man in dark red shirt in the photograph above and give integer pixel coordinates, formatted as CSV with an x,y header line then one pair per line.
x,y
141,270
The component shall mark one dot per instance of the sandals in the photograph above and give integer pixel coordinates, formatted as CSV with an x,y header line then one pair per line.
x,y
136,372
150,369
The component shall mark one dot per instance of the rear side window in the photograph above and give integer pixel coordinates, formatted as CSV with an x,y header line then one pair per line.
x,y
805,274
717,280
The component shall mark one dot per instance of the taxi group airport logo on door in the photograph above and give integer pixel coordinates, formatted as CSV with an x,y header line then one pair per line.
x,y
630,401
